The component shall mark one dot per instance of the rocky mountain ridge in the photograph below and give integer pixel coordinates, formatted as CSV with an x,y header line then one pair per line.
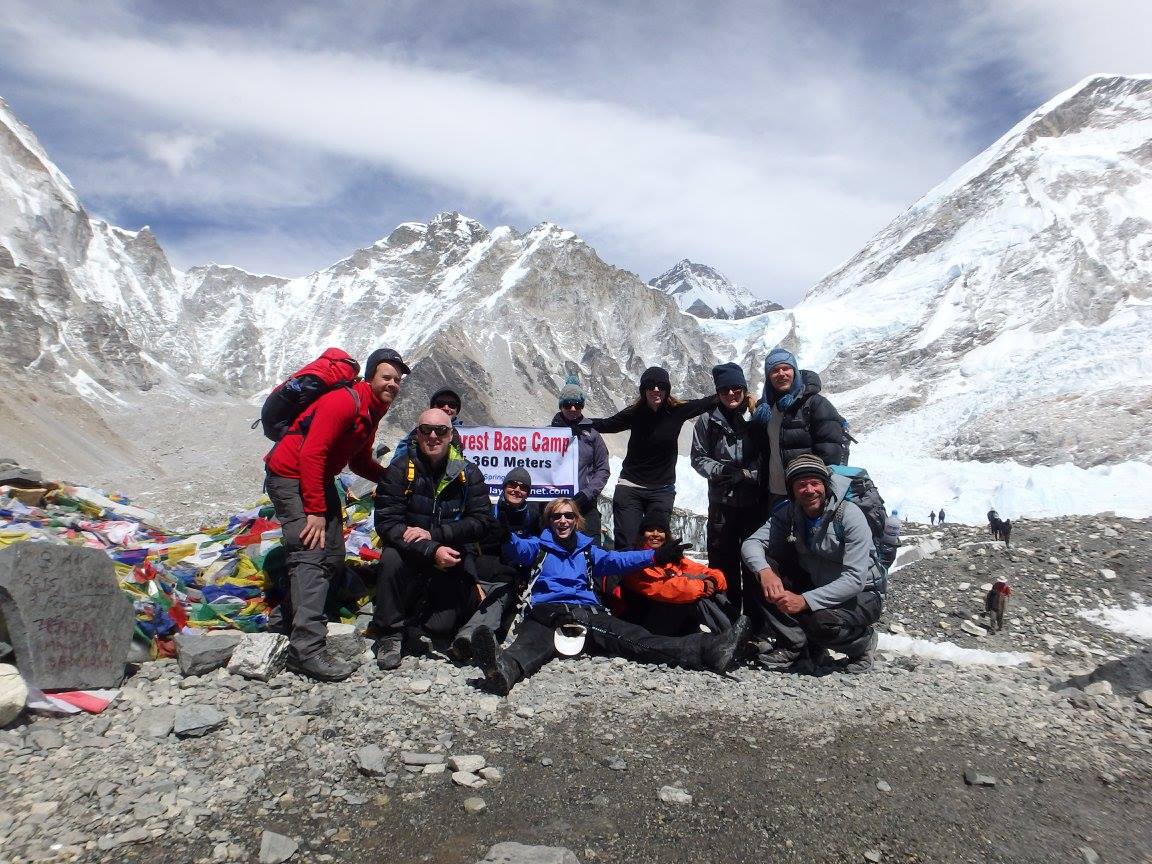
x,y
994,320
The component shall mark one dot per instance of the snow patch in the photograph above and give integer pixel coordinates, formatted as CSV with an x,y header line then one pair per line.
x,y
1135,622
895,643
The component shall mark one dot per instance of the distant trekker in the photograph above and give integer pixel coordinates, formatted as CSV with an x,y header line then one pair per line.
x,y
335,431
940,516
932,517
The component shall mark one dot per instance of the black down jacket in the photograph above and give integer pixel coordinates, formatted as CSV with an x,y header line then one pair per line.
x,y
811,424
459,515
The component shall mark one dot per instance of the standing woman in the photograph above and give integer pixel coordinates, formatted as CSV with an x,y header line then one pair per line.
x,y
724,454
794,419
647,484
594,470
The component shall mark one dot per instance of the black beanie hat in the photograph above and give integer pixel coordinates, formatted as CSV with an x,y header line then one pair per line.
x,y
444,391
518,475
655,375
654,520
384,355
729,375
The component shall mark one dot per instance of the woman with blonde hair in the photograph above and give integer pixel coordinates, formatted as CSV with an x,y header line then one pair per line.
x,y
564,608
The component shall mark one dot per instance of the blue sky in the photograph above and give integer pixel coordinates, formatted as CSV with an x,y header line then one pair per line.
x,y
769,140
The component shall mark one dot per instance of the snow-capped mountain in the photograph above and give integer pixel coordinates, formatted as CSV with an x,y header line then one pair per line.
x,y
706,293
80,297
1004,316
503,316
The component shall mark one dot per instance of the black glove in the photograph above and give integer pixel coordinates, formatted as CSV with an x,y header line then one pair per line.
x,y
581,501
729,477
669,553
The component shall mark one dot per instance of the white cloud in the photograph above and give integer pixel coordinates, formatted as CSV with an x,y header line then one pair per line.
x,y
776,203
746,135
175,150
1063,41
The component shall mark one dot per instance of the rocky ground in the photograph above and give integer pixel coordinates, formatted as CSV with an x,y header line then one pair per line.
x,y
922,760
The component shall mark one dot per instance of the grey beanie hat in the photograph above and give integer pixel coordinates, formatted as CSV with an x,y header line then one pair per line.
x,y
518,475
571,391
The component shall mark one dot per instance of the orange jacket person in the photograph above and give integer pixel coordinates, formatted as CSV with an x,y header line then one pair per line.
x,y
668,599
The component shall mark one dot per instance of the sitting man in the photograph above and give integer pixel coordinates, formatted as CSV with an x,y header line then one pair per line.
x,y
672,599
570,575
521,517
432,510
823,586
448,401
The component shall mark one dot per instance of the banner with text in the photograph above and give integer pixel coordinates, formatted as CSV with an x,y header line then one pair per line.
x,y
549,455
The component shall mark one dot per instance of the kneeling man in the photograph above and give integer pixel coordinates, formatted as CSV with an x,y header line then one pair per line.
x,y
821,582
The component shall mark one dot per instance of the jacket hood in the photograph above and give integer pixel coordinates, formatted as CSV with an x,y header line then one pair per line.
x,y
804,384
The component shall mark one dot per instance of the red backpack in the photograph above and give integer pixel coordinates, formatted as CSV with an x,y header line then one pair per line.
x,y
334,368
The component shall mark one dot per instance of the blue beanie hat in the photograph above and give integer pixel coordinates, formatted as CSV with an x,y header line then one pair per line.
x,y
729,375
777,356
571,391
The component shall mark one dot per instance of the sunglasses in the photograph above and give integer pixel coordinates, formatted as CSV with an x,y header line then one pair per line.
x,y
428,430
516,484
656,385
571,404
730,390
448,403
556,517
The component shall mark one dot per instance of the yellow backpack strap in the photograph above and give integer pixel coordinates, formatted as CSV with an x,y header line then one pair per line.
x,y
411,477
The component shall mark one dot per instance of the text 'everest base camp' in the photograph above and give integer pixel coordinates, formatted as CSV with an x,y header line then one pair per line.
x,y
554,564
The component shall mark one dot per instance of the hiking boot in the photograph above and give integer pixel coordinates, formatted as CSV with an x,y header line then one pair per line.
x,y
461,648
781,657
321,666
500,672
721,649
756,647
389,652
865,662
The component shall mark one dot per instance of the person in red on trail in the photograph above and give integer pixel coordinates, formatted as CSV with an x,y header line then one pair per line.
x,y
335,431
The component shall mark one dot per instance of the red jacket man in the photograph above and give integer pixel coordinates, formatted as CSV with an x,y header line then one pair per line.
x,y
337,429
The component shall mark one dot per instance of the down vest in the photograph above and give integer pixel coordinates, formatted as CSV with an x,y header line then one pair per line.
x,y
452,506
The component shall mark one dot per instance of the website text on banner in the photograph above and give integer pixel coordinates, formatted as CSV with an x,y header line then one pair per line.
x,y
545,453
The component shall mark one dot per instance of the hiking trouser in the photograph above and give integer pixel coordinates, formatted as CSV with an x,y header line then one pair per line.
x,y
411,593
728,528
631,504
533,646
310,571
846,628
678,619
499,583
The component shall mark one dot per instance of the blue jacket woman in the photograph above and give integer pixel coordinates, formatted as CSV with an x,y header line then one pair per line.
x,y
569,576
